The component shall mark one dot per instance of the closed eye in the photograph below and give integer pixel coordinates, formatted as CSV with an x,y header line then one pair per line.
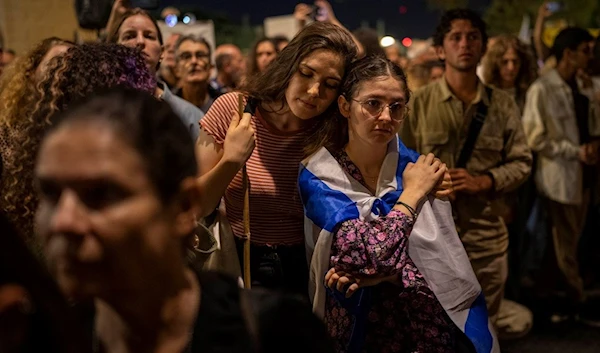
x,y
305,73
331,85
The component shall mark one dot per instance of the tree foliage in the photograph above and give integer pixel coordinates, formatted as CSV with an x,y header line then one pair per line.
x,y
505,16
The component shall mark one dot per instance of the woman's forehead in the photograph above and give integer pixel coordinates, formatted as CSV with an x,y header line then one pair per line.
x,y
87,149
136,22
326,62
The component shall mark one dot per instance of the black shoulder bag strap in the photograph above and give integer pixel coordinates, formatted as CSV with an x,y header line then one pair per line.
x,y
474,130
251,106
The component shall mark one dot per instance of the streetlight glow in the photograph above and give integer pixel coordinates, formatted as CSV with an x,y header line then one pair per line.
x,y
387,41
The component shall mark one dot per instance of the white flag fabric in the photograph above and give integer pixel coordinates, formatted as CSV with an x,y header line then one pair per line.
x,y
331,196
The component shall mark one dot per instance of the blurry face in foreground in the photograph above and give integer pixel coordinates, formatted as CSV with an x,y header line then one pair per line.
x,y
100,219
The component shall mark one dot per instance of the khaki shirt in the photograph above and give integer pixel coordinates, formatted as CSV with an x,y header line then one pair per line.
x,y
438,124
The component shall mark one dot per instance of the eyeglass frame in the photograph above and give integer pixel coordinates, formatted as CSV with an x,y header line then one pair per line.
x,y
196,55
389,106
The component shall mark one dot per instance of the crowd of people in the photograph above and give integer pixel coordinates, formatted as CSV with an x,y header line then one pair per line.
x,y
319,194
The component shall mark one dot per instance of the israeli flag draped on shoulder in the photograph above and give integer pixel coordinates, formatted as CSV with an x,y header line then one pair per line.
x,y
331,196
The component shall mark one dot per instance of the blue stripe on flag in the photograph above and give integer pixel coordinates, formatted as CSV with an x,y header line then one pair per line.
x,y
476,327
325,207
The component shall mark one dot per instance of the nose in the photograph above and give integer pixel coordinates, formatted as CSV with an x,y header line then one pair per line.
x,y
464,42
313,91
385,114
70,215
140,42
510,66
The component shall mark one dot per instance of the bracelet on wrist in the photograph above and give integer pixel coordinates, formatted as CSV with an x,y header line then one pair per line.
x,y
412,211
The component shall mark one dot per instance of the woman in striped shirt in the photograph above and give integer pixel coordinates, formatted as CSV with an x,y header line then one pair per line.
x,y
291,98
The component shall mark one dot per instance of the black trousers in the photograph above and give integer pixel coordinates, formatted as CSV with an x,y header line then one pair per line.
x,y
281,268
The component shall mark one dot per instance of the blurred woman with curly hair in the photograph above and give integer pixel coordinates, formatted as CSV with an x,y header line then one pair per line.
x,y
18,81
80,71
510,66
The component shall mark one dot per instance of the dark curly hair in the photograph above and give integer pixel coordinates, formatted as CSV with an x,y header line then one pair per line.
x,y
459,14
81,71
333,133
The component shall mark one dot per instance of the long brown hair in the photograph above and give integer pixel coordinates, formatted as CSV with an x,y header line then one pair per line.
x,y
333,132
271,85
252,64
493,60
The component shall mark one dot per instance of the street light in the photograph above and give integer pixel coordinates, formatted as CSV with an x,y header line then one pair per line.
x,y
387,41
189,19
171,20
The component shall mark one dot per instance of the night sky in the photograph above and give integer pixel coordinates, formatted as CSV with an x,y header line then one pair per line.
x,y
418,22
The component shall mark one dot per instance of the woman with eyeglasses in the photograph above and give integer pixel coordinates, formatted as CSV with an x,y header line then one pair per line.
x,y
363,191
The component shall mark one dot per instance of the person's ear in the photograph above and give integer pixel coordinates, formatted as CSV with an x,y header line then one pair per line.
x,y
344,106
441,53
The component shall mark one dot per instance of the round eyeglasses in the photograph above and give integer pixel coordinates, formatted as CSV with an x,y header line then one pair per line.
x,y
373,108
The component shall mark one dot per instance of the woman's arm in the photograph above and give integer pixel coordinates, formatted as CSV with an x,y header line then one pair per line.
x,y
372,248
541,50
215,172
218,163
303,11
330,17
118,9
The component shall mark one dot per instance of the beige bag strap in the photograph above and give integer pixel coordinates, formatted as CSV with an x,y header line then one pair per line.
x,y
246,211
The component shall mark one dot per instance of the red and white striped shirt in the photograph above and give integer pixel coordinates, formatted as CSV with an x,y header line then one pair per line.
x,y
276,213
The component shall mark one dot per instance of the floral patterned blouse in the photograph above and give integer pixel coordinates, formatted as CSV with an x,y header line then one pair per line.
x,y
401,318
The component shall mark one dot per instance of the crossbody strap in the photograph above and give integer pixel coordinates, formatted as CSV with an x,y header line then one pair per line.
x,y
474,130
